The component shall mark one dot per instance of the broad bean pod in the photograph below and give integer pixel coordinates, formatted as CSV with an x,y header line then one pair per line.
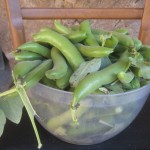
x,y
37,74
123,39
145,51
25,55
94,51
76,36
90,40
63,82
137,43
97,79
70,52
59,65
111,42
23,67
61,28
35,48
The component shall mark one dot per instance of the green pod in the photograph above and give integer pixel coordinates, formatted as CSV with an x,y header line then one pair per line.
x,y
97,79
94,51
64,118
23,67
63,82
120,48
90,40
25,55
75,27
137,43
123,39
70,52
111,42
137,71
60,66
99,31
122,31
76,36
136,83
90,129
61,28
35,48
48,82
97,37
37,74
145,51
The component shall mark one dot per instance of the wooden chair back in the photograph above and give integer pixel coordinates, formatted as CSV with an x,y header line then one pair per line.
x,y
17,14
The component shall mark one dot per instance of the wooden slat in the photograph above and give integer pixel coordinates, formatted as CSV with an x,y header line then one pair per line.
x,y
15,22
58,13
145,26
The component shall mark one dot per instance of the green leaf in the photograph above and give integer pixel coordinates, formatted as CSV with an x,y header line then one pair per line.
x,y
115,87
105,61
134,84
85,68
2,122
142,65
111,42
145,71
12,107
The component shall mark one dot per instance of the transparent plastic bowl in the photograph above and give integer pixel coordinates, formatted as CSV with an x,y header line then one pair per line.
x,y
101,117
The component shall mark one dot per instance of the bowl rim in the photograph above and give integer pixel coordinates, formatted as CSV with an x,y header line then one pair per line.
x,y
107,95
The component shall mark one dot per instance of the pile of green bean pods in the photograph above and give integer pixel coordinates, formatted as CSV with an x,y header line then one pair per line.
x,y
83,60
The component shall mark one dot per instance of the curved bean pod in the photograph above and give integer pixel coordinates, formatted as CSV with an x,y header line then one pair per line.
x,y
76,36
25,55
137,43
90,40
123,39
70,52
145,51
97,79
63,82
111,42
94,51
38,73
60,66
36,48
61,28
23,67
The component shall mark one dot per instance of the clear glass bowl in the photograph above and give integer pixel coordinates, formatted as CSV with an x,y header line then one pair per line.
x,y
101,117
